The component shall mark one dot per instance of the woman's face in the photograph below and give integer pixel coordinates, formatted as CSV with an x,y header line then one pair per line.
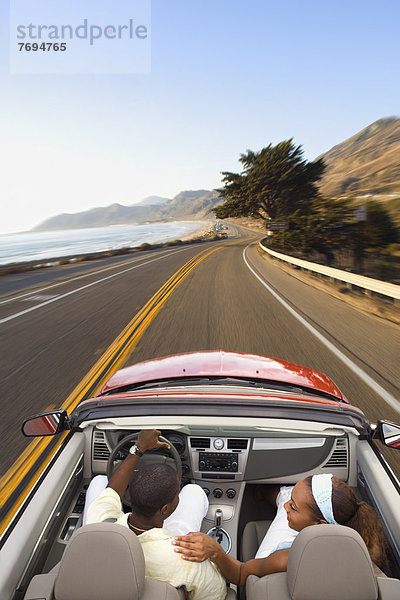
x,y
297,508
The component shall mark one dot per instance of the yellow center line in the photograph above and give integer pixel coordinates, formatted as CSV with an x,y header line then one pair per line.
x,y
14,476
27,464
104,359
75,397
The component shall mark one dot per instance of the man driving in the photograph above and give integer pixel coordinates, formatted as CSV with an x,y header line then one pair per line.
x,y
159,511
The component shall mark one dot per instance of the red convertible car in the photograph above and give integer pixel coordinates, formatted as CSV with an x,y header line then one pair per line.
x,y
234,421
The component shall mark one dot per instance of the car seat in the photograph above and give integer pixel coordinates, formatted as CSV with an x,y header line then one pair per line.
x,y
326,562
103,561
253,534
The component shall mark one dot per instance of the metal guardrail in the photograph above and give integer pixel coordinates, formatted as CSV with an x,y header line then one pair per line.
x,y
367,283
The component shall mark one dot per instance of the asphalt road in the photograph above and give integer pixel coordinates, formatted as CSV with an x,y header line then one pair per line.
x,y
54,335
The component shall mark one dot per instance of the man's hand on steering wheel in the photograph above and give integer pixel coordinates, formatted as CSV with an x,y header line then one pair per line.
x,y
148,440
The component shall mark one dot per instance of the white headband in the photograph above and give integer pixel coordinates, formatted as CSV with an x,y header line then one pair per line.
x,y
321,486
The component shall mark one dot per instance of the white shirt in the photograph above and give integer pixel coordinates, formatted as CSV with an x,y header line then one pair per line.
x,y
202,580
279,533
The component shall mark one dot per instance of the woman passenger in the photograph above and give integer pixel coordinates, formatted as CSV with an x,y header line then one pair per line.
x,y
321,499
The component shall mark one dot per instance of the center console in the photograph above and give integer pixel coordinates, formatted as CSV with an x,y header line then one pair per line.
x,y
218,466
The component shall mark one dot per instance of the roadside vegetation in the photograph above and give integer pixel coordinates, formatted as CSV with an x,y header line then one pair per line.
x,y
280,188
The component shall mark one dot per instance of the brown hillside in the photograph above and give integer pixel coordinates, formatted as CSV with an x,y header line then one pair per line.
x,y
366,163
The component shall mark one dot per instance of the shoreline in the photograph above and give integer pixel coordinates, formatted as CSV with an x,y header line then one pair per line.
x,y
204,233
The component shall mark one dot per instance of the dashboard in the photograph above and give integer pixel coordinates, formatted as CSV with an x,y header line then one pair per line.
x,y
249,456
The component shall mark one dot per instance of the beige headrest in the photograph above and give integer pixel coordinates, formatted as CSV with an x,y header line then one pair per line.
x,y
330,562
102,561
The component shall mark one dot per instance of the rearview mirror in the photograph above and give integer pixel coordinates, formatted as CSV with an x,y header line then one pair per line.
x,y
48,423
388,434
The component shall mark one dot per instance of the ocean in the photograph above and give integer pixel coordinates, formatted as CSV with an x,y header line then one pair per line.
x,y
44,245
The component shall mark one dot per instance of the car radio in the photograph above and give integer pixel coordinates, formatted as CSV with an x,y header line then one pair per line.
x,y
224,462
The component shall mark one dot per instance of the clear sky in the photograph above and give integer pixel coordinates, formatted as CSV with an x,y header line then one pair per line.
x,y
226,75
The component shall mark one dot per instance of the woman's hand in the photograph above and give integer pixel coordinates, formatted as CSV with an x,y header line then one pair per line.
x,y
197,547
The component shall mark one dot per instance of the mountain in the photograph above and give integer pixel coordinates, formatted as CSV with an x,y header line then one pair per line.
x,y
190,204
152,201
187,205
366,163
96,217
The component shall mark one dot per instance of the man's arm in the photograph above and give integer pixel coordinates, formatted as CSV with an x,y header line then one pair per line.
x,y
197,547
147,440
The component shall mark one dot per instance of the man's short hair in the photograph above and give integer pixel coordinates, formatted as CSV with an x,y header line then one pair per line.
x,y
152,487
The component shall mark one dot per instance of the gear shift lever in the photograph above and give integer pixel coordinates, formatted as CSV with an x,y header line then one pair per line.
x,y
218,516
219,534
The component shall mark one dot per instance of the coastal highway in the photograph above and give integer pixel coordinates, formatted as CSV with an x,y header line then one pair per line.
x,y
221,295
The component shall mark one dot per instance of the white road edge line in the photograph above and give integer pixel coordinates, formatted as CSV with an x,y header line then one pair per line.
x,y
376,387
121,264
32,308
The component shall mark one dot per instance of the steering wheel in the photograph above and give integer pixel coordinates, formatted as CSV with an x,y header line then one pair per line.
x,y
147,458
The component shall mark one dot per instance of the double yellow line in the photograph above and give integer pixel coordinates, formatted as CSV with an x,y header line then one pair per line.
x,y
112,359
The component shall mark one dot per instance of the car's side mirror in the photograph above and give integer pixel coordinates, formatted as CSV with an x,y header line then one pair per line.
x,y
48,423
388,434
